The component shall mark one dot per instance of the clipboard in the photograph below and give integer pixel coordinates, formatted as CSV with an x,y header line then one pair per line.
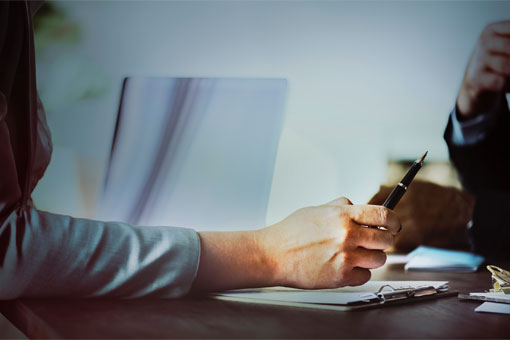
x,y
386,295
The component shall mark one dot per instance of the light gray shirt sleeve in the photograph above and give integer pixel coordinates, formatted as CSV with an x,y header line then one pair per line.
x,y
51,255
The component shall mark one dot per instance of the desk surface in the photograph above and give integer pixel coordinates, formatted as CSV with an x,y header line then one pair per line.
x,y
203,318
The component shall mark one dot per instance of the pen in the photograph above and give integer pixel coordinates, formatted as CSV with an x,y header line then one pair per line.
x,y
401,188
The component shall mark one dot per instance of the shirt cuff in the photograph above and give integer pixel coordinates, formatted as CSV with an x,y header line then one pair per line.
x,y
474,130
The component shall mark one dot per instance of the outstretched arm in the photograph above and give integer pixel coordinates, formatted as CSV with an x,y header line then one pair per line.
x,y
315,247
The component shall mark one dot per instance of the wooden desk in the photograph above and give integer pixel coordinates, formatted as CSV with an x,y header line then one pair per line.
x,y
203,318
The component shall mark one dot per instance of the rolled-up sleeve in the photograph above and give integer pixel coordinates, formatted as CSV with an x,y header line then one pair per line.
x,y
49,255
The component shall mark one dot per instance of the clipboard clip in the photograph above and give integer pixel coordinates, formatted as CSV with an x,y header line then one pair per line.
x,y
500,279
389,293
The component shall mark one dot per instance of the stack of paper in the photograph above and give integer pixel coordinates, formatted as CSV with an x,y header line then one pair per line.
x,y
443,260
495,302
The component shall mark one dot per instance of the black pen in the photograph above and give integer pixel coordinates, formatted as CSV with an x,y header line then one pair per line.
x,y
401,188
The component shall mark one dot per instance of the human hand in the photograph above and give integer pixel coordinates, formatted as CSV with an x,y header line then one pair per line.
x,y
486,76
326,246
431,215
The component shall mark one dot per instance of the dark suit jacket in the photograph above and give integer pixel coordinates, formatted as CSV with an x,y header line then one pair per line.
x,y
484,169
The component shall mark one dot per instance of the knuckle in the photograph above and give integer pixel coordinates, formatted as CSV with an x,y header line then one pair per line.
x,y
341,279
344,200
349,235
343,274
384,215
339,282
356,214
343,223
342,213
350,261
347,260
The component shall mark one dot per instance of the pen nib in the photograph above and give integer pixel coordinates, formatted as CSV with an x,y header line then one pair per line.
x,y
420,160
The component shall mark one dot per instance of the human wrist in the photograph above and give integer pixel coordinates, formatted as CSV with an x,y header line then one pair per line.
x,y
262,241
231,260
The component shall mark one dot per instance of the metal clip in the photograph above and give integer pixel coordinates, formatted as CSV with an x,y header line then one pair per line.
x,y
403,293
500,279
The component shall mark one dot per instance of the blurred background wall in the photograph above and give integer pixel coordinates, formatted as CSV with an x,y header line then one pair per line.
x,y
371,83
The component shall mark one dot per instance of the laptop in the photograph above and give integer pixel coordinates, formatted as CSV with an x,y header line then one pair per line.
x,y
194,152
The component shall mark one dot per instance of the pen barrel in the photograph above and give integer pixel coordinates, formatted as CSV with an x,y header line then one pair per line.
x,y
401,188
409,176
394,197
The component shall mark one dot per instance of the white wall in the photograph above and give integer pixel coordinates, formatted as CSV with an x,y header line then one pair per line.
x,y
369,80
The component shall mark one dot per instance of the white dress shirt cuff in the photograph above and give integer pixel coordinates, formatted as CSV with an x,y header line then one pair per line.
x,y
472,131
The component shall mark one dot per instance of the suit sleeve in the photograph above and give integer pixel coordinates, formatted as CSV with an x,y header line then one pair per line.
x,y
49,255
484,165
483,168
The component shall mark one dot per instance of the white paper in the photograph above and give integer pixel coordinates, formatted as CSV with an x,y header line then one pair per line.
x,y
397,259
339,296
500,295
493,307
444,260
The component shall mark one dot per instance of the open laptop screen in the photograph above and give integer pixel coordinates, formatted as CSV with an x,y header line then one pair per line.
x,y
194,152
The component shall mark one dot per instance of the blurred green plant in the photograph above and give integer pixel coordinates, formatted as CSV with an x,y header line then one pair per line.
x,y
65,75
51,26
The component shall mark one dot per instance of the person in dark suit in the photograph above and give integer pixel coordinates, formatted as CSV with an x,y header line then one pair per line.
x,y
477,135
